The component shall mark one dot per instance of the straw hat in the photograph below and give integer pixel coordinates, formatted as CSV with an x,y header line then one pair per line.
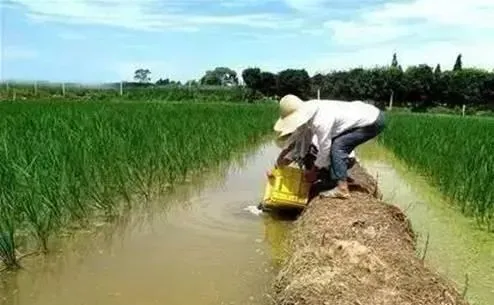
x,y
287,139
283,141
293,114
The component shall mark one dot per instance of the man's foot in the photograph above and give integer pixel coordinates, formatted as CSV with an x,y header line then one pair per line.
x,y
335,193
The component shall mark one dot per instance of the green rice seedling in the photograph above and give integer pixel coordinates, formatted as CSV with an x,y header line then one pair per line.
x,y
63,163
104,194
456,154
8,209
7,231
123,185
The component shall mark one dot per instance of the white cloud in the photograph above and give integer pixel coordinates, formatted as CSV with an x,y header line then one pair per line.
x,y
266,39
141,14
419,18
421,31
10,53
243,3
313,31
305,5
470,13
14,53
71,35
356,33
443,53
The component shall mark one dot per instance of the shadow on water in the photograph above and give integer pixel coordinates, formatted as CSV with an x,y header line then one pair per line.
x,y
456,247
202,243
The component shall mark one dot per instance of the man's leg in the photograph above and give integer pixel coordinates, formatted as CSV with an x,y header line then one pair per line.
x,y
341,148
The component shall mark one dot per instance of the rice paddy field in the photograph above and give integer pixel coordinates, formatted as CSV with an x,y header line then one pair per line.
x,y
64,164
70,164
455,154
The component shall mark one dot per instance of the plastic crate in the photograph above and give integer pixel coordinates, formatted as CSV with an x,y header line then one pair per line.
x,y
286,189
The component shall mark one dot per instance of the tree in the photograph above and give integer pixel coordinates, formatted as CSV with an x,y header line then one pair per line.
x,y
317,80
394,62
317,83
394,82
294,81
467,86
458,63
220,76
163,82
268,85
252,78
437,70
191,83
488,91
142,75
357,84
439,88
419,82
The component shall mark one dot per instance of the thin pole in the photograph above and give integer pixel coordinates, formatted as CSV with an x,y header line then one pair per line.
x,y
391,99
121,88
63,89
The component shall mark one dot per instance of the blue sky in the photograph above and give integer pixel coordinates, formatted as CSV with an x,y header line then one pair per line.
x,y
106,40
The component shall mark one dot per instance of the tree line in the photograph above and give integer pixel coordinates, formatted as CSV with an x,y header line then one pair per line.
x,y
419,86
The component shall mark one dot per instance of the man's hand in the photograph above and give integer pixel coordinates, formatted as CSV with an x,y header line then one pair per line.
x,y
311,175
280,162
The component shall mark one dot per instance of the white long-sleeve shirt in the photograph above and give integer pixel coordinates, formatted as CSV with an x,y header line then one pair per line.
x,y
332,118
301,147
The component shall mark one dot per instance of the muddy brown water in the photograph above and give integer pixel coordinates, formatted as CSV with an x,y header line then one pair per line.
x,y
207,247
457,248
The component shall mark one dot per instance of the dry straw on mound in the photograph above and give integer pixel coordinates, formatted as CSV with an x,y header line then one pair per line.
x,y
358,252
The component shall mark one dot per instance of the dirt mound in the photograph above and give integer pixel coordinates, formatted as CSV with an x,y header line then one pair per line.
x,y
358,251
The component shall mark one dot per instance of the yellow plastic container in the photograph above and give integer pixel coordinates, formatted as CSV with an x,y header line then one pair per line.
x,y
287,189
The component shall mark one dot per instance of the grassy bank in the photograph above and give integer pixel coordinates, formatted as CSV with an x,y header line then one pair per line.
x,y
63,163
358,251
456,154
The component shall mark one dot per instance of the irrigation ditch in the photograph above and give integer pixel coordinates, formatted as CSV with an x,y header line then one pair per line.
x,y
207,248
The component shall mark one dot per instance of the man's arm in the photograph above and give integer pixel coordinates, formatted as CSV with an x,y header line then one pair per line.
x,y
281,160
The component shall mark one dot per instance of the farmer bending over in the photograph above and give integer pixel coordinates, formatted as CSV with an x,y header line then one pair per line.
x,y
299,151
339,128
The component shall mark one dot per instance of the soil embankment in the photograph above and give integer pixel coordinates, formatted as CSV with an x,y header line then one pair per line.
x,y
358,252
